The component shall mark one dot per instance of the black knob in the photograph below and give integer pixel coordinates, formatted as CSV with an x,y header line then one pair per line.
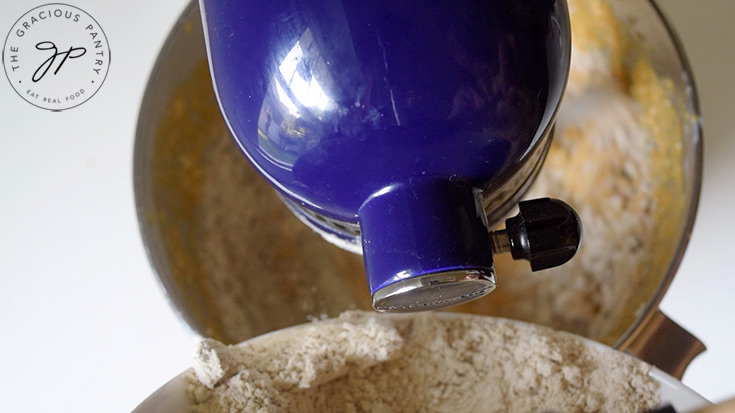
x,y
546,232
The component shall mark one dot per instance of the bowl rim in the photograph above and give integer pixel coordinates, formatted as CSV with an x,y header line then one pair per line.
x,y
649,311
142,183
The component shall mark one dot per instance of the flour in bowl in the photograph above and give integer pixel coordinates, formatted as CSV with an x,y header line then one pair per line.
x,y
368,362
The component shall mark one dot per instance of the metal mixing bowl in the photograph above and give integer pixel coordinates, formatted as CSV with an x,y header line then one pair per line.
x,y
184,154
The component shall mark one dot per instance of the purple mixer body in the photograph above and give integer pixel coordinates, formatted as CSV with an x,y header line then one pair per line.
x,y
395,123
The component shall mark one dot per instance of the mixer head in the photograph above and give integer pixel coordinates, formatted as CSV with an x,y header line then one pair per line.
x,y
402,129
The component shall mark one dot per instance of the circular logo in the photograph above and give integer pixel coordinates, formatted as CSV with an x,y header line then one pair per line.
x,y
56,56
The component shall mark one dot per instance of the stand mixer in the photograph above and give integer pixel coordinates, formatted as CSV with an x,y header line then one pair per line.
x,y
403,130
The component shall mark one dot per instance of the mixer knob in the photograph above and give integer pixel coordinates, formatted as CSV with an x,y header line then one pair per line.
x,y
546,232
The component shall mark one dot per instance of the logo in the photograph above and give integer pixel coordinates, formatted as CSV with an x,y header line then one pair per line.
x,y
56,56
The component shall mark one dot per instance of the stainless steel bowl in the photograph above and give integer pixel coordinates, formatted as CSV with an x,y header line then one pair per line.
x,y
236,264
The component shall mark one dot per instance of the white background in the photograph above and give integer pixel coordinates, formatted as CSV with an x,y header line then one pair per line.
x,y
84,325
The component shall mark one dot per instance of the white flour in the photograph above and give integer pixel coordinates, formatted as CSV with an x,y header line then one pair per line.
x,y
367,362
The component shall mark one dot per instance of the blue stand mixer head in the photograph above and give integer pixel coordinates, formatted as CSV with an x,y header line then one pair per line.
x,y
402,129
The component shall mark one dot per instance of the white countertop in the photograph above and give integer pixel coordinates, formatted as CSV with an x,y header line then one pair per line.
x,y
84,325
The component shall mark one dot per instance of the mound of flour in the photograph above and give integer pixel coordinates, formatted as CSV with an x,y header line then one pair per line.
x,y
368,362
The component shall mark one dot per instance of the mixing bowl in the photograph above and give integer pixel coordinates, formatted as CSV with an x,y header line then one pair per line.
x,y
236,263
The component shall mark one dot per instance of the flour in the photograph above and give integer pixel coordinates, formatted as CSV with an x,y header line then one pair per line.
x,y
367,362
